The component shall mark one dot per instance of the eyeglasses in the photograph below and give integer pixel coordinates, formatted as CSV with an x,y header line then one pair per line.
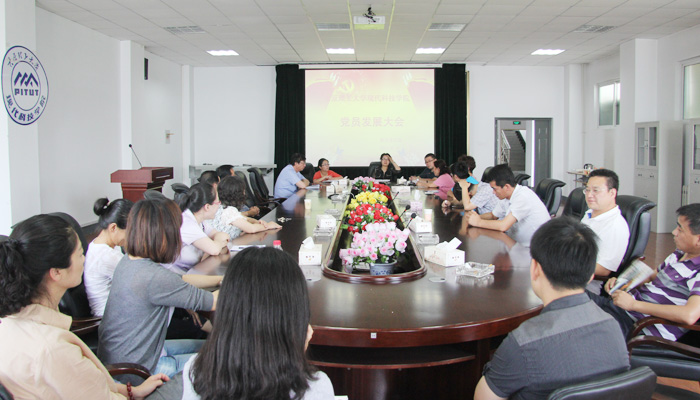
x,y
596,191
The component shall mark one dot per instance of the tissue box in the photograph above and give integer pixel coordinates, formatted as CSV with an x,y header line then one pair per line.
x,y
311,256
401,190
401,181
325,221
446,257
416,206
420,226
342,182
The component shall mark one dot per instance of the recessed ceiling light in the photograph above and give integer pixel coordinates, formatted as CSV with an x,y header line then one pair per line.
x,y
430,50
340,51
444,27
547,52
219,53
328,26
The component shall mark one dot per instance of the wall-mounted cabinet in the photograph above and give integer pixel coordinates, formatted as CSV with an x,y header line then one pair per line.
x,y
658,170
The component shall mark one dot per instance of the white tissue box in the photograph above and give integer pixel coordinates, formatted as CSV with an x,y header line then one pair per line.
x,y
342,182
401,189
444,257
401,181
416,206
420,226
325,221
311,256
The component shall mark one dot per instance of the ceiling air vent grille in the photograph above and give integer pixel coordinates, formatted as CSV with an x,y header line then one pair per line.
x,y
446,27
332,27
183,30
593,28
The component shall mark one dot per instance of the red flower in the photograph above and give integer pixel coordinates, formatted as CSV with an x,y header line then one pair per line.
x,y
396,217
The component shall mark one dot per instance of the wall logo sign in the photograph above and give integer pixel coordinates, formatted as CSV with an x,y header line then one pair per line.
x,y
25,88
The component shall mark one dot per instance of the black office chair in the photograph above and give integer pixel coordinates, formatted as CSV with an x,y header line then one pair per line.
x,y
484,176
636,384
549,191
308,172
4,238
637,213
522,179
576,204
372,167
250,199
152,194
257,182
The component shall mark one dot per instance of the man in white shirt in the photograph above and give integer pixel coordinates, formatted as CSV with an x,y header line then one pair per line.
x,y
605,219
519,211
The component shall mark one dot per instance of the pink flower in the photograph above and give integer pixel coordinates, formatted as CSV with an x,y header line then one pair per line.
x,y
387,251
401,246
373,256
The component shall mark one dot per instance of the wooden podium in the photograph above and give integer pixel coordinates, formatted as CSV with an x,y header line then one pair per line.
x,y
136,181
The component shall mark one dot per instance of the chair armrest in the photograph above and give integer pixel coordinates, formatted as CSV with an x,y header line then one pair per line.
x,y
82,326
276,202
656,341
648,321
128,368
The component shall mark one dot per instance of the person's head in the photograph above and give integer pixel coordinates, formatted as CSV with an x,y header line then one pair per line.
x,y
200,198
686,235
565,250
502,181
385,159
298,161
460,171
224,170
324,165
601,189
153,230
257,346
209,177
232,191
429,160
42,251
469,160
440,168
113,218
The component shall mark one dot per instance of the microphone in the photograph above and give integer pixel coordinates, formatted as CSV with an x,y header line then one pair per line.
x,y
137,157
408,207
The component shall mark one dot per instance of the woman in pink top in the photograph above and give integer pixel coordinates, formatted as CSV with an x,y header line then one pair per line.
x,y
443,182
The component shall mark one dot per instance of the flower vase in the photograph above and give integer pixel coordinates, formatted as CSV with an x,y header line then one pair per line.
x,y
378,269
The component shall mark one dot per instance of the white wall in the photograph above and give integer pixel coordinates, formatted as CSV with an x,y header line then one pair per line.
x,y
519,92
79,131
234,115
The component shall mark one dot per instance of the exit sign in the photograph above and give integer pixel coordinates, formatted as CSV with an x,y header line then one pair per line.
x,y
516,122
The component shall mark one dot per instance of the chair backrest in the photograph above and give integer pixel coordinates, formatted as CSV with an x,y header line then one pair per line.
x,y
636,384
372,167
4,238
636,211
76,227
309,172
549,191
152,194
576,204
179,187
249,195
521,178
258,184
486,173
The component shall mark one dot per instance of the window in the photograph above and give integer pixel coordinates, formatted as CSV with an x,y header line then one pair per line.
x,y
609,104
691,91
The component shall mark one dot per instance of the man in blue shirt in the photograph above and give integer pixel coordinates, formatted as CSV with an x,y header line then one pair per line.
x,y
290,179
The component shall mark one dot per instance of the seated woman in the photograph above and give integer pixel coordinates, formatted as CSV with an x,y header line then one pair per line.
x,y
41,358
198,204
324,172
388,169
264,357
104,252
144,294
210,177
483,199
228,219
443,182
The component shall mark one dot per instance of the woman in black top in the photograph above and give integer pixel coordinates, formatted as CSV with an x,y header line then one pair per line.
x,y
388,168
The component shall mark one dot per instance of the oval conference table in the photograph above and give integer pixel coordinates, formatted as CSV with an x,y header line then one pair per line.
x,y
424,338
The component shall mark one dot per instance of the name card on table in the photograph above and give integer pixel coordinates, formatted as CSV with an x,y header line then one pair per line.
x,y
418,225
445,253
325,221
310,252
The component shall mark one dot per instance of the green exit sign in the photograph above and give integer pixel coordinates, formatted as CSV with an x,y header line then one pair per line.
x,y
516,122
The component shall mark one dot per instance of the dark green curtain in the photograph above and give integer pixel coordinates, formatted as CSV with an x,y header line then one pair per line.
x,y
290,125
450,112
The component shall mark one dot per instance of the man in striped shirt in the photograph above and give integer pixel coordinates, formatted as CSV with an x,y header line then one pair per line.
x,y
672,293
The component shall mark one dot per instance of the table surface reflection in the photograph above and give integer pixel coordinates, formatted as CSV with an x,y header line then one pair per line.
x,y
438,308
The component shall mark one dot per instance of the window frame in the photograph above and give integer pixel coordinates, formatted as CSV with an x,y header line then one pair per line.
x,y
616,102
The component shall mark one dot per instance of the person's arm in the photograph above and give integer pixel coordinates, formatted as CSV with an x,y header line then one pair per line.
x,y
216,298
248,226
484,392
498,225
396,166
212,246
601,270
303,183
203,281
251,212
147,387
686,314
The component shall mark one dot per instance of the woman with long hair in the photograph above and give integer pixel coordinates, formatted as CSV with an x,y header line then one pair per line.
x,y
41,358
257,347
228,218
105,251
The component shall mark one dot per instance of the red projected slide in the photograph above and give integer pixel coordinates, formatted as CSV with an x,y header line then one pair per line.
x,y
352,116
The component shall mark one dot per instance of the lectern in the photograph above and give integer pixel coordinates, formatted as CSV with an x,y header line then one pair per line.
x,y
136,181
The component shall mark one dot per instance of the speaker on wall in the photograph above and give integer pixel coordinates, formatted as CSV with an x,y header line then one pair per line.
x,y
145,69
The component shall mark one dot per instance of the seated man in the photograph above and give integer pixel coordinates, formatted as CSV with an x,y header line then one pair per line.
x,y
607,222
565,344
427,175
225,170
483,200
521,215
290,179
672,293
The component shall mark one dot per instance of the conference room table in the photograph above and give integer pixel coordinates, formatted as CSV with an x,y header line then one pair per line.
x,y
427,336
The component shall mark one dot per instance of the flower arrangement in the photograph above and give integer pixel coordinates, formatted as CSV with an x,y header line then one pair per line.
x,y
379,243
368,198
359,216
363,184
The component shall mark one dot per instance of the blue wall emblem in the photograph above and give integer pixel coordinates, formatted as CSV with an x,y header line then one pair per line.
x,y
25,88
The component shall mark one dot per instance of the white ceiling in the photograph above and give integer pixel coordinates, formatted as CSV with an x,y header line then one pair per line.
x,y
270,32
